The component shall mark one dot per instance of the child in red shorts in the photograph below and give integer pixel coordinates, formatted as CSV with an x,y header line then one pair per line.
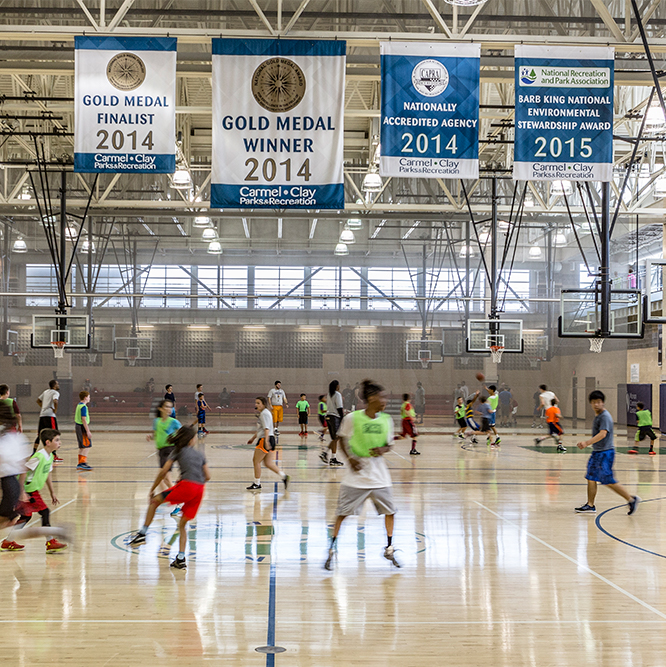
x,y
409,430
188,490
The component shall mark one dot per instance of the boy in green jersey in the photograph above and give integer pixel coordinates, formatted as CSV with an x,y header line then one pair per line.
x,y
365,436
82,428
460,418
303,409
493,402
322,409
644,423
163,426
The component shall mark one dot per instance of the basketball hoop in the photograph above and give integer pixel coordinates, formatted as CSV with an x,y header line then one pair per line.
x,y
92,357
595,344
425,364
131,360
58,348
496,352
21,356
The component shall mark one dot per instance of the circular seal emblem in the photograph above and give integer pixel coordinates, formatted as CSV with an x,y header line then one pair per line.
x,y
126,71
430,78
278,85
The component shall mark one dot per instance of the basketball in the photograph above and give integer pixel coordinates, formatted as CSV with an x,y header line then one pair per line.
x,y
480,377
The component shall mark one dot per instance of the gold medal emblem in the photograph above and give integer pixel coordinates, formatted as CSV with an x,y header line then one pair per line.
x,y
126,71
278,85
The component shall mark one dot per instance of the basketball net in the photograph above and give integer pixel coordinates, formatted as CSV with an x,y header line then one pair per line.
x,y
425,364
131,361
496,352
595,344
58,349
22,356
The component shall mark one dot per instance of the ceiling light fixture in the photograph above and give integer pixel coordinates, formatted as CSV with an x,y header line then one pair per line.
x,y
354,223
347,237
20,245
535,252
209,234
341,249
214,248
561,188
201,221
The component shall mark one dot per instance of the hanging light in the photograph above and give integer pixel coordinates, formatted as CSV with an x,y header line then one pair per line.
x,y
654,117
341,249
71,232
87,247
20,245
561,188
181,179
660,187
25,193
347,237
354,223
466,251
465,3
209,234
372,182
484,237
560,239
214,248
529,200
201,221
535,252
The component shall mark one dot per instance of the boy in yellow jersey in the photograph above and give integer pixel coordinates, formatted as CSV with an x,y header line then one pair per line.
x,y
82,427
493,402
644,423
365,436
38,475
459,412
408,414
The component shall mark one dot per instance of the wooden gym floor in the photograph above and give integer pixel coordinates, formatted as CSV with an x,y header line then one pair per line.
x,y
497,568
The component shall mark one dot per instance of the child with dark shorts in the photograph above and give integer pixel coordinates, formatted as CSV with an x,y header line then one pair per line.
x,y
486,412
644,423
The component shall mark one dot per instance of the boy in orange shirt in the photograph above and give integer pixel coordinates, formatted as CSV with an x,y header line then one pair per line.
x,y
553,415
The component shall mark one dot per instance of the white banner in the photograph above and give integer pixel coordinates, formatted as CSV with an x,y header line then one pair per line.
x,y
125,105
278,123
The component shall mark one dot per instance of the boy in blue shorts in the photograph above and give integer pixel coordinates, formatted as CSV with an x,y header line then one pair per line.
x,y
600,465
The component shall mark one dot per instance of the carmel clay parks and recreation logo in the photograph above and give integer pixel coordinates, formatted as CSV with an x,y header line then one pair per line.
x,y
278,85
126,71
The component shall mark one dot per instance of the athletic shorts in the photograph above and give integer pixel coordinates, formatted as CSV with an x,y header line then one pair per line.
x,y
186,492
409,428
164,454
333,422
262,444
45,422
600,467
302,417
469,421
419,409
644,431
277,414
351,499
201,417
34,504
554,428
322,420
491,419
485,424
11,490
82,437
461,422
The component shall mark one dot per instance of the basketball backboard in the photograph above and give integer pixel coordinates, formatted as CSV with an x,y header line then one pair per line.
x,y
428,351
484,334
653,307
132,348
73,330
580,313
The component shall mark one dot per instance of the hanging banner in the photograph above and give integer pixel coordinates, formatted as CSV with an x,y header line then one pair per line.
x,y
278,123
564,113
125,105
430,110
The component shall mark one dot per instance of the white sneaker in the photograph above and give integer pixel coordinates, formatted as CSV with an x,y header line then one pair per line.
x,y
389,554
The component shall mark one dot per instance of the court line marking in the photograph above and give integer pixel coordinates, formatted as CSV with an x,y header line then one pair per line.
x,y
163,621
575,562
270,635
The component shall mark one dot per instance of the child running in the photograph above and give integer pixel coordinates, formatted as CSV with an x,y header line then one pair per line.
x,y
14,452
38,475
486,412
493,402
321,413
202,406
82,428
334,414
600,465
644,423
303,409
459,412
266,443
408,415
365,436
470,422
163,426
553,416
188,490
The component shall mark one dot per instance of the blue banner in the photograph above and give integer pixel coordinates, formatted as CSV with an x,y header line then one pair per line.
x,y
278,123
564,113
430,110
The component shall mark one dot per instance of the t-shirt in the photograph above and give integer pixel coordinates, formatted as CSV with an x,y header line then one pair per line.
x,y
419,397
277,397
196,394
81,414
374,473
464,392
47,398
39,466
14,452
485,410
460,411
322,408
546,397
11,404
201,405
191,462
170,397
505,397
643,418
553,414
334,402
469,410
265,422
407,411
302,406
603,422
163,429
493,401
